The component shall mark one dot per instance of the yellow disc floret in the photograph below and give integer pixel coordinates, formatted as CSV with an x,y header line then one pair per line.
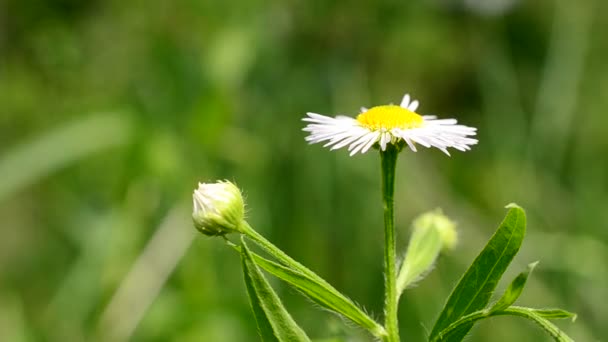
x,y
389,117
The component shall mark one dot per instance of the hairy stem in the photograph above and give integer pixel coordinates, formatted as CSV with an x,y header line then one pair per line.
x,y
367,322
388,162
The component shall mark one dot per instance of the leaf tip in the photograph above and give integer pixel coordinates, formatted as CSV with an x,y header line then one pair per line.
x,y
533,265
516,209
513,205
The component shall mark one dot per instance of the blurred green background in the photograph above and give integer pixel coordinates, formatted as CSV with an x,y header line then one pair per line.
x,y
112,111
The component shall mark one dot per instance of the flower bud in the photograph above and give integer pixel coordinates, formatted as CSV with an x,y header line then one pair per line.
x,y
218,208
438,221
432,233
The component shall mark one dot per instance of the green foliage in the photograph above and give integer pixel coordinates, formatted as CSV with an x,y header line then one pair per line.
x,y
554,314
466,305
207,90
474,290
514,289
453,332
321,293
489,266
314,285
55,149
543,322
274,322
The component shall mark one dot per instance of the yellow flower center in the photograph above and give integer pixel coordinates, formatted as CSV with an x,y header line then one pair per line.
x,y
389,117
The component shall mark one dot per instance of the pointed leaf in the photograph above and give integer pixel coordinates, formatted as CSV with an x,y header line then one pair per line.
x,y
321,293
514,290
554,314
475,288
543,322
453,331
291,264
273,320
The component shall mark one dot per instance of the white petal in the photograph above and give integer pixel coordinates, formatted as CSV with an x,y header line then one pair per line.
x,y
405,101
421,140
347,141
413,106
444,121
371,142
384,139
363,142
338,137
410,144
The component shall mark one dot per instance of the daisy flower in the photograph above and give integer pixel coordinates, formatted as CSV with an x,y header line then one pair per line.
x,y
388,124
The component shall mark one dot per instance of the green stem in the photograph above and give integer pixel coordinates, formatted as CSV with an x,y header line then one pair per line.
x,y
389,161
374,328
275,251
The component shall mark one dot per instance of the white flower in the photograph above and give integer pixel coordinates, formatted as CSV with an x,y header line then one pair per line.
x,y
388,124
218,208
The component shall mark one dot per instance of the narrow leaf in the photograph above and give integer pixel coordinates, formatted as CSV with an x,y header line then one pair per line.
x,y
321,293
554,314
291,264
514,290
475,288
453,331
543,322
273,320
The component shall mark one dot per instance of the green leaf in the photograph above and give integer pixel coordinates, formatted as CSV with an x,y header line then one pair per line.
x,y
554,314
274,322
453,331
291,264
543,322
321,293
475,289
514,290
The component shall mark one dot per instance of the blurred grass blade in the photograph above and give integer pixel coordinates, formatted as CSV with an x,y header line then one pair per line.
x,y
273,320
322,294
514,290
453,332
36,158
475,289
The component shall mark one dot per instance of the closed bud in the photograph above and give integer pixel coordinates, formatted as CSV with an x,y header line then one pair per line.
x,y
438,221
218,208
432,233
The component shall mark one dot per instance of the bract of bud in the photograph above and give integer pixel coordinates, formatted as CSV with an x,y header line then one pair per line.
x,y
218,208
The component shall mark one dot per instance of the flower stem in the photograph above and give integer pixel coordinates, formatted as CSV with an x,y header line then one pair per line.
x,y
389,160
274,250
